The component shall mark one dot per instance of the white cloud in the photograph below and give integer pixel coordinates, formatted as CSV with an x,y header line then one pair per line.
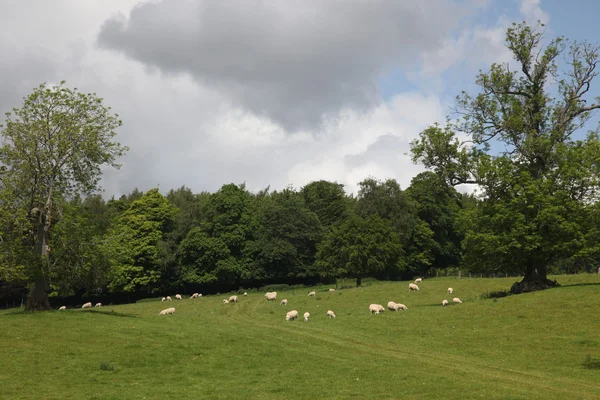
x,y
532,11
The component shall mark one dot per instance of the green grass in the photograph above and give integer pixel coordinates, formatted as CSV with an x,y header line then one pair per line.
x,y
541,345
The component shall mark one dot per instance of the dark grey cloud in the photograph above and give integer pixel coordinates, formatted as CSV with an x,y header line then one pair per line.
x,y
292,62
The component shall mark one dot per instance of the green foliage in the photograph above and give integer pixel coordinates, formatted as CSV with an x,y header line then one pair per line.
x,y
328,200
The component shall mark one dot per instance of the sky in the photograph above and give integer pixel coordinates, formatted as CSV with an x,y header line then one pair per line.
x,y
268,93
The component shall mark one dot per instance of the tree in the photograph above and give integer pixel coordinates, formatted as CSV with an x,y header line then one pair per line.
x,y
328,200
53,147
358,248
537,174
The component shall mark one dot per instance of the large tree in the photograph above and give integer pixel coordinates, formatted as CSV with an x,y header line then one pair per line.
x,y
527,150
52,147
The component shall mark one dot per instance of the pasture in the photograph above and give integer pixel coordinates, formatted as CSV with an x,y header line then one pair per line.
x,y
530,346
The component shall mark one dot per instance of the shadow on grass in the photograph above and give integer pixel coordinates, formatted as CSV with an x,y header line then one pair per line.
x,y
110,313
577,284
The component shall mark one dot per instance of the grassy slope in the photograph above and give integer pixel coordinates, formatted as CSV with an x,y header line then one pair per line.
x,y
529,346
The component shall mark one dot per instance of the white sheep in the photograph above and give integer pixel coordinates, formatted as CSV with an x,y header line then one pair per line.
x,y
392,306
225,301
444,303
178,297
418,280
330,314
169,298
87,305
164,299
62,308
312,294
306,315
199,294
401,306
233,299
167,311
412,286
376,308
271,296
283,302
450,290
195,296
245,294
98,305
456,300
332,290
291,315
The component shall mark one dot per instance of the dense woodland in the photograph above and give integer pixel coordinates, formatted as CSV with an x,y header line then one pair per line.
x,y
530,151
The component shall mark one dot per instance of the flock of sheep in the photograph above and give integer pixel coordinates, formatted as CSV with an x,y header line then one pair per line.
x,y
292,315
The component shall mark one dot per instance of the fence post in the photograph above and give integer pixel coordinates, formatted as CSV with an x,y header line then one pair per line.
x,y
459,273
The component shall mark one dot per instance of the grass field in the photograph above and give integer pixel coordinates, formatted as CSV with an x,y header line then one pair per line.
x,y
530,346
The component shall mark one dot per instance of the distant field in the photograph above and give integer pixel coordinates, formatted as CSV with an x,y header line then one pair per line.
x,y
530,346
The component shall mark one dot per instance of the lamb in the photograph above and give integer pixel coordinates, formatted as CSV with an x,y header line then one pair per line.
x,y
225,301
450,290
401,306
245,294
291,315
62,308
98,305
392,306
233,299
283,302
306,315
376,308
412,286
169,298
332,290
312,294
330,314
164,299
167,311
418,280
444,303
271,296
457,300
87,305
195,296
178,297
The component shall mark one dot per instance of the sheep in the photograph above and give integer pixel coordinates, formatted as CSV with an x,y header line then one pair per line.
x,y
376,308
401,306
199,294
98,305
418,280
271,296
412,286
164,299
169,298
194,296
283,302
233,299
312,294
456,300
167,311
332,290
450,290
306,315
87,305
330,314
178,297
392,306
444,303
225,301
62,308
291,315
245,294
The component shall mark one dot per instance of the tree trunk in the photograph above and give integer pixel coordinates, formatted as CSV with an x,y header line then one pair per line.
x,y
38,298
358,281
535,278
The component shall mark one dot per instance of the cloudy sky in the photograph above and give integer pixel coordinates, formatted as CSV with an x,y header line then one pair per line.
x,y
266,92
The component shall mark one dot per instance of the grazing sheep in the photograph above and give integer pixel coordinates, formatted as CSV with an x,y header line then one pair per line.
x,y
457,300
291,315
164,299
167,311
330,314
392,306
401,306
306,315
233,299
195,296
87,305
169,298
271,296
199,294
62,308
245,294
283,302
376,308
98,305
178,297
450,290
312,294
444,303
332,290
225,301
418,280
412,286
